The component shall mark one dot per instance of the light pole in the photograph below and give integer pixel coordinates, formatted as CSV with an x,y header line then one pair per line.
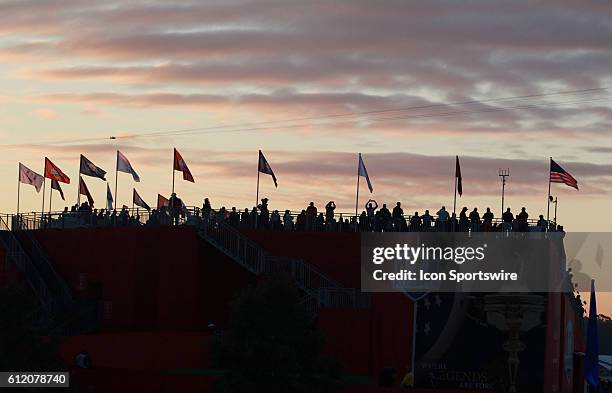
x,y
555,202
503,173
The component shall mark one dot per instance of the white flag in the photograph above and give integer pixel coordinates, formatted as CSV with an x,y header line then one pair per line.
x,y
109,198
363,172
123,165
28,176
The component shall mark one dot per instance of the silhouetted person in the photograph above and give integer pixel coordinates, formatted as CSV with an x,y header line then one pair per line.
x,y
427,219
206,209
329,211
522,219
542,224
245,219
275,220
463,219
311,215
288,220
234,217
175,205
415,222
301,221
397,212
475,219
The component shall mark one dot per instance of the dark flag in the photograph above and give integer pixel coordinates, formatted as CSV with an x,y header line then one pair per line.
x,y
84,191
264,167
89,169
54,173
591,357
559,175
56,186
162,201
180,165
458,176
138,201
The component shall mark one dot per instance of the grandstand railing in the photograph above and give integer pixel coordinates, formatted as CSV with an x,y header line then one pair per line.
x,y
321,289
193,215
35,279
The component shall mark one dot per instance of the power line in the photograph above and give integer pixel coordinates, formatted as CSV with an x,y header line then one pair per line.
x,y
279,124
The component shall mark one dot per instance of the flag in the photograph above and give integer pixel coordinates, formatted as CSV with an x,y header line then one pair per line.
x,y
180,165
138,201
362,171
264,167
559,175
28,176
54,173
123,165
84,191
56,186
591,358
109,198
162,201
89,169
458,176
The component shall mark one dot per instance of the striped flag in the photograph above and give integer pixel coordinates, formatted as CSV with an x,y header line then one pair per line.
x,y
559,175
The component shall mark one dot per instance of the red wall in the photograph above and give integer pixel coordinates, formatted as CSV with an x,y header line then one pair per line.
x,y
157,278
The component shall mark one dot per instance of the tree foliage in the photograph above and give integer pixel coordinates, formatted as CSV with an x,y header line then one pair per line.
x,y
271,345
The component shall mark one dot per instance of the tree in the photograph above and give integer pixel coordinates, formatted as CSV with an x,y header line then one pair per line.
x,y
25,345
271,345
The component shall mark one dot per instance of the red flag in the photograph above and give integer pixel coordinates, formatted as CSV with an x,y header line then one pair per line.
x,y
162,201
180,165
84,191
54,173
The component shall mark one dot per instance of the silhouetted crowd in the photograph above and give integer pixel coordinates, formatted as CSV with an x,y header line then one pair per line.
x,y
373,218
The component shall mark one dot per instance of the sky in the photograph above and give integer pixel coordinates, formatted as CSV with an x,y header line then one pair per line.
x,y
409,84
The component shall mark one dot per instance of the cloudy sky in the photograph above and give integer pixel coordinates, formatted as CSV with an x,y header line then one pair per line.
x,y
312,84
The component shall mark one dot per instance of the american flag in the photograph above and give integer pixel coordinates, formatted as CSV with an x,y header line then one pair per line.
x,y
559,175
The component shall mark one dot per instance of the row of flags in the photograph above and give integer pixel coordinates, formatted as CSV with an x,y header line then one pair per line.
x,y
88,168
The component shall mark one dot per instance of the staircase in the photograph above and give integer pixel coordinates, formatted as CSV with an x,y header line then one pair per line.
x,y
61,313
320,289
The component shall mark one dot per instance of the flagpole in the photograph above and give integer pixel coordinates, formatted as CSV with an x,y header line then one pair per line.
x,y
79,187
173,178
257,195
43,202
50,197
357,197
455,201
18,190
548,199
116,176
